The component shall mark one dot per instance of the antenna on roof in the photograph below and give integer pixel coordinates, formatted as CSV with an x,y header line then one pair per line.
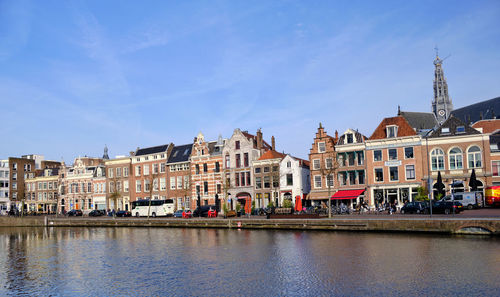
x,y
399,110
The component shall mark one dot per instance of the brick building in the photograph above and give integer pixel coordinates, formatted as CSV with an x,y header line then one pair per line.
x,y
149,171
267,178
42,190
118,183
4,186
322,158
178,183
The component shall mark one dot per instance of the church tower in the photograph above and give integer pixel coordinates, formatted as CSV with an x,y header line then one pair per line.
x,y
441,105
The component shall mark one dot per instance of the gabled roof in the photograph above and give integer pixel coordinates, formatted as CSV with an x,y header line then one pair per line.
x,y
270,154
487,109
451,124
404,128
180,153
420,120
151,150
302,162
360,138
253,138
487,126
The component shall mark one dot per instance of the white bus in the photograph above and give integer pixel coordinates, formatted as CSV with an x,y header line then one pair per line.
x,y
159,208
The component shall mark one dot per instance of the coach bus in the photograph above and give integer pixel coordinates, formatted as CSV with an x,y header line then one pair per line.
x,y
159,208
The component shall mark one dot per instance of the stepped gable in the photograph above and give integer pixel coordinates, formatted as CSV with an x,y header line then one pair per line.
x,y
404,128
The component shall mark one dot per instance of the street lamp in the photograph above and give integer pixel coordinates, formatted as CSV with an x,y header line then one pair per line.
x,y
429,179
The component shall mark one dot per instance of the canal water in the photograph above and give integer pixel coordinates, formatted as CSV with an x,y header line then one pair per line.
x,y
210,262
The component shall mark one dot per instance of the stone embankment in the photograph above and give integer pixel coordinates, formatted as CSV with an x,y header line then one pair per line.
x,y
489,226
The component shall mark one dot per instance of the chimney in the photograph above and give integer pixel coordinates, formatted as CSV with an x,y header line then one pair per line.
x,y
399,110
336,134
273,143
259,139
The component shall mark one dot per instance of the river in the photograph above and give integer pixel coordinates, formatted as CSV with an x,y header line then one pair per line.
x,y
222,262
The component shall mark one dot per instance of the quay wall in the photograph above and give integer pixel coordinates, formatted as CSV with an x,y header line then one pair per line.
x,y
489,226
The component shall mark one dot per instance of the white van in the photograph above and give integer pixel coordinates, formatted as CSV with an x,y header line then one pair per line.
x,y
467,199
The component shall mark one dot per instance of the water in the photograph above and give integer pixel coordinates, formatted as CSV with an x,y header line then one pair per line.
x,y
208,262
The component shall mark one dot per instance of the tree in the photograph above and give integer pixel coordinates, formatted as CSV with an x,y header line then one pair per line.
x,y
422,194
186,187
114,194
226,185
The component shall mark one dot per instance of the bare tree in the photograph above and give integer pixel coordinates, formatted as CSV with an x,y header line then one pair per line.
x,y
114,195
152,180
328,168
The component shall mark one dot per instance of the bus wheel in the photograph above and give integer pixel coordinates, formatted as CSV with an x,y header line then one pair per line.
x,y
153,214
136,214
469,206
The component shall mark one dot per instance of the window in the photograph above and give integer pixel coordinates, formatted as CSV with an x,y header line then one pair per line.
x,y
146,169
379,174
409,152
138,170
205,168
377,155
110,172
197,168
137,186
410,172
288,164
329,180
392,131
163,184
217,167
248,179
267,182
14,176
237,179
361,177
198,190
352,177
186,182
350,138
237,144
455,158
495,167
474,157
317,181
341,160
228,163
321,147
329,163
393,154
238,160
350,157
172,168
118,171
266,169
437,159
89,187
393,173
460,129
316,164
125,186
125,171
162,167
179,182
276,181
205,188
257,169
289,179
245,159
172,183
445,130
258,182
155,168
219,188
361,158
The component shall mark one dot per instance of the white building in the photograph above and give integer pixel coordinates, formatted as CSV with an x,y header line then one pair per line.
x,y
4,186
294,178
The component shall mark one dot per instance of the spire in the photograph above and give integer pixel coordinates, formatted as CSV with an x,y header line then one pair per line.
x,y
441,104
105,156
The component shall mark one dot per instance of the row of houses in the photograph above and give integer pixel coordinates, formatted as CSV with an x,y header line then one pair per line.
x,y
403,153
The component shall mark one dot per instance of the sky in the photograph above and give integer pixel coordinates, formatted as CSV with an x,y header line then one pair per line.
x,y
78,75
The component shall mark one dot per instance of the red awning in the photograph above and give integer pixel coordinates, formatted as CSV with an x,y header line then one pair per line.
x,y
347,194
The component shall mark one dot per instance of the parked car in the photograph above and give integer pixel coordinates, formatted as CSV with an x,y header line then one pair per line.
x,y
123,213
446,207
96,213
467,199
415,207
75,213
178,213
202,211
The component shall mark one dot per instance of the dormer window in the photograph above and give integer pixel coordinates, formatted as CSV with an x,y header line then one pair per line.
x,y
445,130
350,138
392,131
460,129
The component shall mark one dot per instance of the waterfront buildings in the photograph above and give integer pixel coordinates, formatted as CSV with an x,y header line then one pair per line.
x,y
267,175
207,176
148,171
295,179
239,152
42,190
178,168
324,165
116,195
4,186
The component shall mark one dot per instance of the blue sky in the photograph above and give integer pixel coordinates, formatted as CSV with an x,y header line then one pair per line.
x,y
77,75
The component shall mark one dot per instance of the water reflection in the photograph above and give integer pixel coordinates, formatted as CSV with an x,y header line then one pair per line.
x,y
155,261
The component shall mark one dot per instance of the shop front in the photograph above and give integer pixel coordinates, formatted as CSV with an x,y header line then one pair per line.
x,y
349,197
